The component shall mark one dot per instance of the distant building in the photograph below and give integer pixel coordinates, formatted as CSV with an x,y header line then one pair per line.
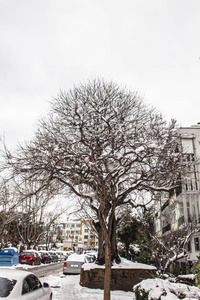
x,y
76,234
182,205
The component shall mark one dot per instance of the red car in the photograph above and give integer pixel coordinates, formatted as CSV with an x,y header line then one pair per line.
x,y
30,257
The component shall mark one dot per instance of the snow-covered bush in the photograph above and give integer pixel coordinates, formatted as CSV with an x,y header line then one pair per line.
x,y
159,289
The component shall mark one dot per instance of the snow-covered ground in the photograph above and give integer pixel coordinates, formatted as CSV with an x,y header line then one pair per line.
x,y
66,287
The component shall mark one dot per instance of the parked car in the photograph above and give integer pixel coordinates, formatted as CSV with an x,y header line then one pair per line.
x,y
54,256
74,262
61,256
19,284
31,257
45,257
65,253
92,255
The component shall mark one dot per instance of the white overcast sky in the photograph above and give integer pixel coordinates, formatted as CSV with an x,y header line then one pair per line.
x,y
152,46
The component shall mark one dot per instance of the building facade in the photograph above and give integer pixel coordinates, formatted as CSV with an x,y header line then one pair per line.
x,y
181,206
77,234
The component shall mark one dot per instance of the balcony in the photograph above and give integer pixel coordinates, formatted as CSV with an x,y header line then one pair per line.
x,y
165,205
166,228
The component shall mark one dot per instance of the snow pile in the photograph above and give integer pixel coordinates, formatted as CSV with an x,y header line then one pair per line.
x,y
125,264
188,276
166,290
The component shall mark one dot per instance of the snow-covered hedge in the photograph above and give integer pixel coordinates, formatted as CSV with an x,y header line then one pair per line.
x,y
159,289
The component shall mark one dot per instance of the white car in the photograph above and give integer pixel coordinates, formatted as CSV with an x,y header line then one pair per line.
x,y
74,263
22,285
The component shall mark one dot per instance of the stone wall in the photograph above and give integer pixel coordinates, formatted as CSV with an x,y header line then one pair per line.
x,y
121,279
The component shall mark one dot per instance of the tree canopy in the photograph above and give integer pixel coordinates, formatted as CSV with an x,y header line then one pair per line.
x,y
104,144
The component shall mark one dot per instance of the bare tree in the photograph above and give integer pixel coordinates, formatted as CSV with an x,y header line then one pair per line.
x,y
23,212
105,145
172,246
33,223
8,213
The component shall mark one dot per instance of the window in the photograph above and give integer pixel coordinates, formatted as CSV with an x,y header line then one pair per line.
x,y
6,286
85,237
86,230
189,246
196,243
186,184
198,208
31,283
193,211
25,288
188,212
187,144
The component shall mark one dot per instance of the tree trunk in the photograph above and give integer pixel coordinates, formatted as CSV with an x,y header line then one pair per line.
x,y
113,242
107,276
127,250
114,251
101,248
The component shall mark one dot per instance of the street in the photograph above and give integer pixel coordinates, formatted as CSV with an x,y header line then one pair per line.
x,y
48,269
43,269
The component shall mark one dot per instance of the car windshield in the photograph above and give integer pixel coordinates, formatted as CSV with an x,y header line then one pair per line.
x,y
6,286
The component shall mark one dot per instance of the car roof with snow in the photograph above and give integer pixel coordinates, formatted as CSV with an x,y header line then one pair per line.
x,y
30,250
77,257
13,273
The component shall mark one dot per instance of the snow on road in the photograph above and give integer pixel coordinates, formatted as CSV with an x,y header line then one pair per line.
x,y
66,287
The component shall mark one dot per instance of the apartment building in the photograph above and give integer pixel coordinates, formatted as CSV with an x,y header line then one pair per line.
x,y
182,205
76,234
